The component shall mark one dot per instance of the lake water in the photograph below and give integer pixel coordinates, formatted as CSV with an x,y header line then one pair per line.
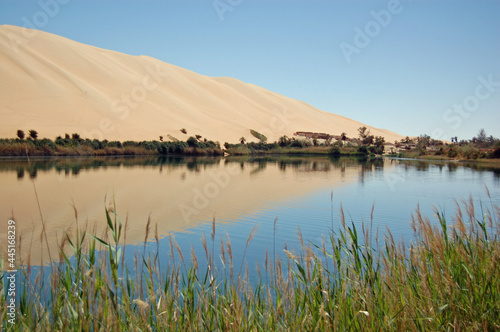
x,y
182,196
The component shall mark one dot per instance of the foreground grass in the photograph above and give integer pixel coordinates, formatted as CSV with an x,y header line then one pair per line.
x,y
446,279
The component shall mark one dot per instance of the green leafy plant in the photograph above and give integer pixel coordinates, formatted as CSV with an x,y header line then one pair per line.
x,y
258,135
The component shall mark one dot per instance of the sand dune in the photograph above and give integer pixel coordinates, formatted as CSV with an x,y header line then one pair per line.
x,y
56,86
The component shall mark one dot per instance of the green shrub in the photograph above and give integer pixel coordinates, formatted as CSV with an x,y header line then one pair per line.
x,y
452,152
362,150
470,152
334,151
45,143
192,142
258,135
495,153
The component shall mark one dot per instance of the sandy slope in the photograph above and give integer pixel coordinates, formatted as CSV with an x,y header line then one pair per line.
x,y
57,86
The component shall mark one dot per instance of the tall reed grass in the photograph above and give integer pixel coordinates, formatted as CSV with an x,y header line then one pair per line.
x,y
446,278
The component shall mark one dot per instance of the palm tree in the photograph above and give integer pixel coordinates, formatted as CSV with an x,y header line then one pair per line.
x,y
33,134
283,141
20,134
243,140
343,137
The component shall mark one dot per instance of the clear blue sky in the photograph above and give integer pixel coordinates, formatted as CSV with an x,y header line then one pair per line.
x,y
417,71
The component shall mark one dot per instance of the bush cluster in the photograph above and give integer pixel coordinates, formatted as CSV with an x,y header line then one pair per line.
x,y
74,145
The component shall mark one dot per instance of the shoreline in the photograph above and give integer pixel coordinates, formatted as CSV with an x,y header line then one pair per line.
x,y
193,147
492,162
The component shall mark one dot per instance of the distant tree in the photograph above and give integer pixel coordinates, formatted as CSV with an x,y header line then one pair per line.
x,y
369,140
161,138
423,141
343,137
66,136
315,141
20,134
75,136
184,131
481,136
435,142
198,137
243,140
298,143
283,141
364,135
33,134
379,141
192,142
363,132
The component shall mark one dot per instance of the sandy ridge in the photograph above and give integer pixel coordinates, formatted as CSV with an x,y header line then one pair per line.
x,y
56,86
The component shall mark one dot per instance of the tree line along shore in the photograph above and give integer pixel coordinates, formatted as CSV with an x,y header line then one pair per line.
x,y
480,147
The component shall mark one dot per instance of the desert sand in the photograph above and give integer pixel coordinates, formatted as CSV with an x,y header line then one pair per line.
x,y
56,86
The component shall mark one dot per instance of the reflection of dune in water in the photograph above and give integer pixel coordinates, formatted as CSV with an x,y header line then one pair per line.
x,y
173,196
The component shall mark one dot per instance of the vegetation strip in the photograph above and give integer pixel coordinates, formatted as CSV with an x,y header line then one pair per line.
x,y
480,147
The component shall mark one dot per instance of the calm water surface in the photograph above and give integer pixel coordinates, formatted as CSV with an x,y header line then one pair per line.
x,y
181,196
